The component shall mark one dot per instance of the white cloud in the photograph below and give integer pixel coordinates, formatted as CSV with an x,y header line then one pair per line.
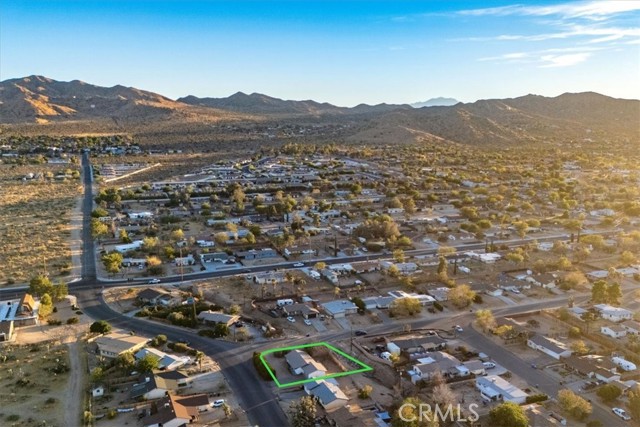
x,y
555,61
594,10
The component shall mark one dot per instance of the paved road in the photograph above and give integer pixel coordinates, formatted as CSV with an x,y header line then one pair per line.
x,y
255,396
523,369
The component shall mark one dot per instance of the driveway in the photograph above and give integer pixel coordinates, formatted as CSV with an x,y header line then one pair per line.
x,y
344,323
73,393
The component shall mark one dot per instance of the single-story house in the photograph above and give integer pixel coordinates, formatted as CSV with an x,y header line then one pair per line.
x,y
133,246
297,359
329,395
21,311
153,296
300,310
185,260
493,387
606,375
172,380
339,308
165,361
544,280
146,388
301,363
175,411
415,348
475,367
632,327
613,331
113,345
257,254
379,302
549,346
582,365
440,294
577,312
212,318
213,257
615,314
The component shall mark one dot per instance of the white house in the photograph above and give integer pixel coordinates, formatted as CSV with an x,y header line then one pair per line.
x,y
632,327
549,346
613,331
329,395
615,314
133,246
493,387
624,364
339,308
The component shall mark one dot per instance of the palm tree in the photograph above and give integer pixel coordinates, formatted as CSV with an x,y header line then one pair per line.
x,y
199,356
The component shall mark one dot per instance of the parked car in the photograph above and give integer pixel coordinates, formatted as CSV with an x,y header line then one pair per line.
x,y
299,264
458,328
218,403
621,413
291,319
360,333
488,365
238,324
154,281
307,322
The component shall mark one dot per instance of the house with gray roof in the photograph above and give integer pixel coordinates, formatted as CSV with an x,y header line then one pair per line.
x,y
549,346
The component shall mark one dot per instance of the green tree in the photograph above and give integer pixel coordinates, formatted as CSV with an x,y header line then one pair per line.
x,y
485,319
406,306
574,405
627,258
579,347
100,327
609,392
508,414
599,293
124,236
462,296
398,255
97,375
221,330
46,306
614,293
125,361
303,412
365,392
149,243
98,229
112,262
148,363
40,285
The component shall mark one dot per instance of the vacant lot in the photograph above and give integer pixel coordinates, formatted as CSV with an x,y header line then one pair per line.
x,y
35,221
33,380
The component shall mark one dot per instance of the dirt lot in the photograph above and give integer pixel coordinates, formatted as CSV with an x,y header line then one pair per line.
x,y
33,379
35,220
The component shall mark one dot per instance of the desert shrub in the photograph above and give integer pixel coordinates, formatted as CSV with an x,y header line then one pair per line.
x,y
73,321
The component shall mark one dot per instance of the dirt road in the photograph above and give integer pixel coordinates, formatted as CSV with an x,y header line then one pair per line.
x,y
75,388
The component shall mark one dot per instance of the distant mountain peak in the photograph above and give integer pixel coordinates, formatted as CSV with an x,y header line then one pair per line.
x,y
436,102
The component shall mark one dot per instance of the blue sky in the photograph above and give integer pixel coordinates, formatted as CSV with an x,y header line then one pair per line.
x,y
343,52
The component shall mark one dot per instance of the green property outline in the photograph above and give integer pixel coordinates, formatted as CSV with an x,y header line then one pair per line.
x,y
364,366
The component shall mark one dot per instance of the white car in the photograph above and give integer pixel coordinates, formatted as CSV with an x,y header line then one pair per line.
x,y
621,413
154,281
291,319
307,322
488,365
299,264
458,328
218,403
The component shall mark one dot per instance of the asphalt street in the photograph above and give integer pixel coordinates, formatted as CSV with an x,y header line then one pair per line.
x,y
255,395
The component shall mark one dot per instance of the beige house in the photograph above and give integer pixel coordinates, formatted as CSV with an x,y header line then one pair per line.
x,y
114,345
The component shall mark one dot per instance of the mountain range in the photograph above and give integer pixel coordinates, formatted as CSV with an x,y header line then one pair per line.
x,y
436,102
35,100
